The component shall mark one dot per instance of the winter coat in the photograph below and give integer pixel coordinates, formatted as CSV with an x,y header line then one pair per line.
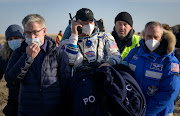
x,y
39,97
157,73
3,65
177,54
11,109
5,54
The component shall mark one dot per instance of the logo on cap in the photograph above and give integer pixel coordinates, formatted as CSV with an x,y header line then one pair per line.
x,y
87,11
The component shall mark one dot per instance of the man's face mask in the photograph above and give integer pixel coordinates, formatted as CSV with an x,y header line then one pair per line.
x,y
13,44
88,29
152,44
35,40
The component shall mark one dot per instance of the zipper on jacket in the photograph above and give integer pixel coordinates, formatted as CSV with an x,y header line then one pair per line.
x,y
42,73
42,76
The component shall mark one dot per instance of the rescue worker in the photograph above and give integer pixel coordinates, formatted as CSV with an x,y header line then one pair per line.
x,y
123,33
156,69
59,37
89,46
14,37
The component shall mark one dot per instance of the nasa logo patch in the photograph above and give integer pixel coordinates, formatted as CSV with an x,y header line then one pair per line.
x,y
156,66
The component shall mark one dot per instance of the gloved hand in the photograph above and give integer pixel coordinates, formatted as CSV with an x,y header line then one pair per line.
x,y
124,62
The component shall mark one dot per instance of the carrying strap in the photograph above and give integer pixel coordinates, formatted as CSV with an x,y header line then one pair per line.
x,y
135,51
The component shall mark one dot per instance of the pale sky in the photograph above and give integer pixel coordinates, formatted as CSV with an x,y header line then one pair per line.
x,y
56,12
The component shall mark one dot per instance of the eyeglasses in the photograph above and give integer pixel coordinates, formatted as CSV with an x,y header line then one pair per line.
x,y
36,33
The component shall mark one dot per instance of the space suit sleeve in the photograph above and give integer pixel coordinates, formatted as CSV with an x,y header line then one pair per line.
x,y
70,47
112,53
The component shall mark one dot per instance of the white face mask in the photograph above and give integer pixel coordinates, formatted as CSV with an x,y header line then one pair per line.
x,y
152,44
35,40
13,44
88,29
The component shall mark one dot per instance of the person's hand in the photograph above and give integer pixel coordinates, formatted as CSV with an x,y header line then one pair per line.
x,y
32,50
74,27
125,63
104,64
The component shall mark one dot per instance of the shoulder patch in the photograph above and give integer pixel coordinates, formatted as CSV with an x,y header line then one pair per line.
x,y
112,44
156,66
174,67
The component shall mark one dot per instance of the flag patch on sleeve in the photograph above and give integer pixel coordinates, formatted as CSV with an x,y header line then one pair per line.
x,y
112,44
174,67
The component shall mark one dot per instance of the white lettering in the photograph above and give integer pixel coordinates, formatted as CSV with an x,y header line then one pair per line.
x,y
90,99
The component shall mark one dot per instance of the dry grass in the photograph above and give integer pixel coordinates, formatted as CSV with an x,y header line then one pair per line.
x,y
3,95
53,36
2,38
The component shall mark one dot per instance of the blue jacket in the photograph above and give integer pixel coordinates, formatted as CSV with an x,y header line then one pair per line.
x,y
157,73
39,97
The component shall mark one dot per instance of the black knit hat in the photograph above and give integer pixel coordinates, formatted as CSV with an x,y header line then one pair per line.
x,y
124,16
84,14
14,31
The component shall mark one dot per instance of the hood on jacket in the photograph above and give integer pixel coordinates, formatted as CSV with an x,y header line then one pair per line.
x,y
167,45
6,52
171,40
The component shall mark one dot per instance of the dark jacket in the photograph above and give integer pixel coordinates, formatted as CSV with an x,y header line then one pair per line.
x,y
5,54
127,41
39,97
3,65
177,54
11,109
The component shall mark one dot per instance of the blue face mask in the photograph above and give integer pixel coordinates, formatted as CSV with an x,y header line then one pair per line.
x,y
13,44
35,40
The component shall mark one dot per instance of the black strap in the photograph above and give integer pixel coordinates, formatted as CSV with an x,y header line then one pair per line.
x,y
136,51
165,62
97,51
81,51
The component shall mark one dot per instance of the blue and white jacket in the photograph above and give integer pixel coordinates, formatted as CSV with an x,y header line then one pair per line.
x,y
157,73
